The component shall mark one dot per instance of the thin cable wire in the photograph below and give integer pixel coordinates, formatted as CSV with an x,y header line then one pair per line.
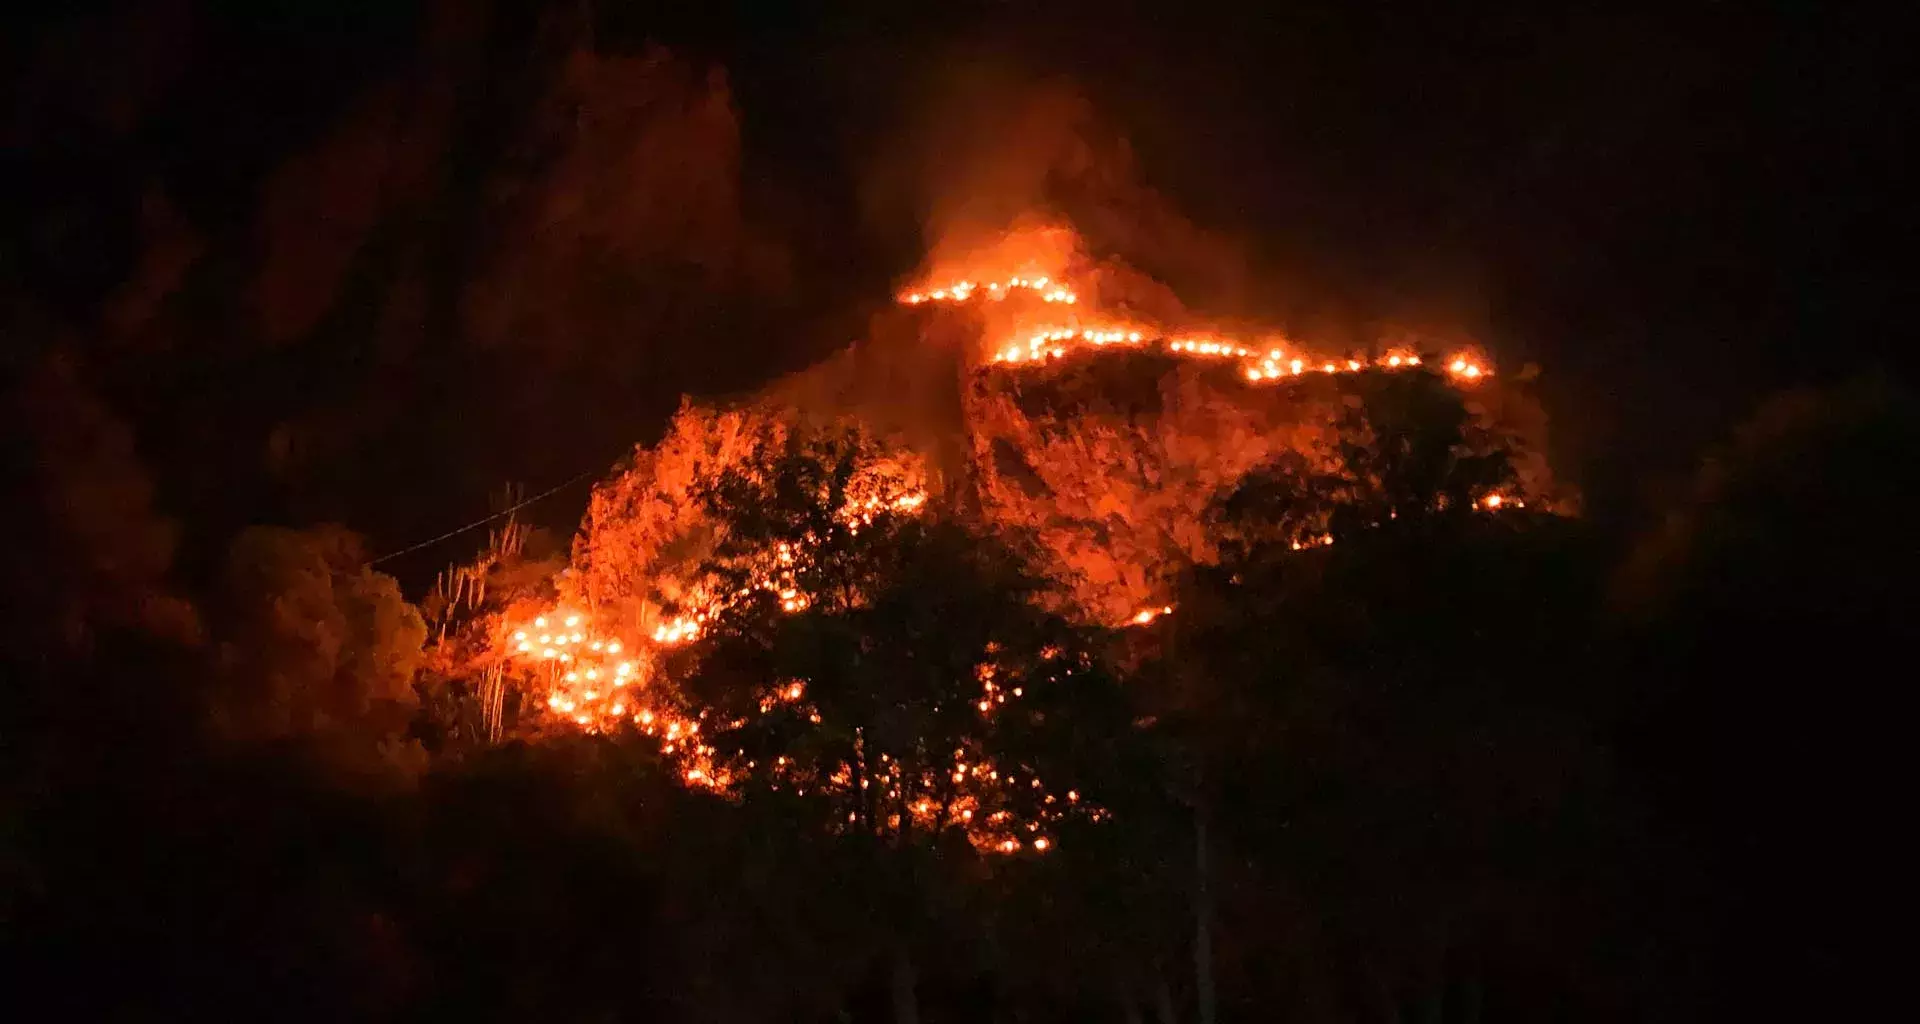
x,y
476,524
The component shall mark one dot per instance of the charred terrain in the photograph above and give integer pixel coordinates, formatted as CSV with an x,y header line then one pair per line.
x,y
555,511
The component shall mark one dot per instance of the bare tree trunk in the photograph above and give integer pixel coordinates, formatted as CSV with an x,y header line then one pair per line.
x,y
1163,1001
906,1004
1203,921
493,705
857,768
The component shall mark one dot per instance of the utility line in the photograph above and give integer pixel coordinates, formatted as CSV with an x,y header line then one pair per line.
x,y
517,506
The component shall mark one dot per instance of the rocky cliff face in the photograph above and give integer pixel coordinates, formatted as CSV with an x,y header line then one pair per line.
x,y
1050,396
1112,461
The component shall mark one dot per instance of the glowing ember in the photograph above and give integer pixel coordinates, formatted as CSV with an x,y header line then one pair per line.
x,y
1141,618
572,698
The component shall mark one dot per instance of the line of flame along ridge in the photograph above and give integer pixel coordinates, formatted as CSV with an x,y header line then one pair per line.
x,y
1259,362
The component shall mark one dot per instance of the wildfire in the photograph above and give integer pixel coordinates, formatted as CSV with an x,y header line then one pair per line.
x,y
1056,342
1145,616
1260,363
1046,288
931,799
595,679
1256,366
680,629
587,680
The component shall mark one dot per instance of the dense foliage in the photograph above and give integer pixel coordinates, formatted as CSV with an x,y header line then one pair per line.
x,y
1422,769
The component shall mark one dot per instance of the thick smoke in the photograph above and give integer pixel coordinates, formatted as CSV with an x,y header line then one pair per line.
x,y
319,209
986,151
639,205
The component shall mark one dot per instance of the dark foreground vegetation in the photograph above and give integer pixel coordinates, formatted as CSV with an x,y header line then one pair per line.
x,y
1456,766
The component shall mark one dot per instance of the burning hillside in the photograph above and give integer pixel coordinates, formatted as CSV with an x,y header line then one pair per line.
x,y
1104,417
1094,411
1094,414
742,526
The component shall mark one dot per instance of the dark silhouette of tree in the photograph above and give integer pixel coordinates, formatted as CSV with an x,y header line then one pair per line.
x,y
93,551
1387,729
315,644
879,661
1407,453
1760,622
